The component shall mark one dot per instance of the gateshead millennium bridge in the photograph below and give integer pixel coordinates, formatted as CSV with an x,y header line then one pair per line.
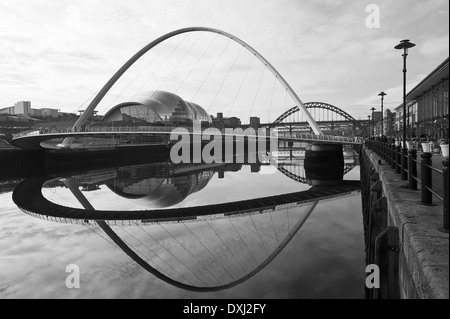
x,y
149,118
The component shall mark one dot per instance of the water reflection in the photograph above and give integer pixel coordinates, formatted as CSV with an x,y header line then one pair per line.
x,y
199,248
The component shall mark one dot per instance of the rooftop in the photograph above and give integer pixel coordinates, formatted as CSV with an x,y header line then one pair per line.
x,y
434,78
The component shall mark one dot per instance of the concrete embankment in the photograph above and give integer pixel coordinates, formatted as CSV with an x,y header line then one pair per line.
x,y
423,254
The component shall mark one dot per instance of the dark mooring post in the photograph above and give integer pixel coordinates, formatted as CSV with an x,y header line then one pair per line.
x,y
398,158
412,170
404,162
426,178
446,190
393,158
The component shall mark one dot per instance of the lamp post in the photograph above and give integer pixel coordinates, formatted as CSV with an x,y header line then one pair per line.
x,y
382,94
373,121
404,45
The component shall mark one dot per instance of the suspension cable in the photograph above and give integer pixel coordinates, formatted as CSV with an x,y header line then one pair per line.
x,y
144,257
240,86
187,250
274,230
246,246
226,247
287,214
84,103
196,63
165,249
155,254
201,242
140,72
271,98
257,89
178,63
264,246
224,80
159,66
211,69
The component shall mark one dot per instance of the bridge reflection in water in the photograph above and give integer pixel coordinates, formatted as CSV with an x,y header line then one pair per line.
x,y
201,248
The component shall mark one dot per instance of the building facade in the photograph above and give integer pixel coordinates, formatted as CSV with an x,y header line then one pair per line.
x,y
221,122
427,105
47,112
255,122
22,107
7,110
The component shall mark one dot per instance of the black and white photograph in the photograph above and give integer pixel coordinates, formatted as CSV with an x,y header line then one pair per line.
x,y
224,155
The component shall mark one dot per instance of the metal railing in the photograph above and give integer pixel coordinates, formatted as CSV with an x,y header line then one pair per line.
x,y
98,129
168,129
405,163
306,136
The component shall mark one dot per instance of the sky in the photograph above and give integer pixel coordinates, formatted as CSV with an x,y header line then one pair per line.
x,y
60,53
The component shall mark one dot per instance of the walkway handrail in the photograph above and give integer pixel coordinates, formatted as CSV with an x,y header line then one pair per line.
x,y
406,165
103,128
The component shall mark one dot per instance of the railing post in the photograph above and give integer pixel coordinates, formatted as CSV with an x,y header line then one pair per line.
x,y
412,170
404,174
426,178
388,153
398,156
393,157
446,190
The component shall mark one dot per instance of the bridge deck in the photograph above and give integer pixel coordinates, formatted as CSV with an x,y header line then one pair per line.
x,y
33,140
28,197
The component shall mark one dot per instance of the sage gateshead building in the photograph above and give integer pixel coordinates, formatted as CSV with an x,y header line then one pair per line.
x,y
157,108
427,105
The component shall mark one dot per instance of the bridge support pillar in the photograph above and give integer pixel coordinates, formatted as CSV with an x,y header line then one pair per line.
x,y
324,164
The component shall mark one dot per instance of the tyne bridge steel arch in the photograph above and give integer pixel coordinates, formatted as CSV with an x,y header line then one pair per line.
x,y
320,105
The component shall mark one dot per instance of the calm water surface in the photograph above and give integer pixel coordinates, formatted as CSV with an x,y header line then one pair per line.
x,y
323,259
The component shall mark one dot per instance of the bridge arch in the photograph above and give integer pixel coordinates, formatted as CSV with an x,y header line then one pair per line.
x,y
97,99
320,105
293,175
33,186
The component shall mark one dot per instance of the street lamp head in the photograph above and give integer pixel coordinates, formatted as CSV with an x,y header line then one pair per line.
x,y
382,94
404,45
372,109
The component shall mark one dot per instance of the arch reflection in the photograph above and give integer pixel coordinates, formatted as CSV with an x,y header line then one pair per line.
x,y
201,248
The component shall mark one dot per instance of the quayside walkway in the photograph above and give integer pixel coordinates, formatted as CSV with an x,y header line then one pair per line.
x,y
417,207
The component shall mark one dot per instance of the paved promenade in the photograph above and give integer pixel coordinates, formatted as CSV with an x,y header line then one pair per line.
x,y
424,247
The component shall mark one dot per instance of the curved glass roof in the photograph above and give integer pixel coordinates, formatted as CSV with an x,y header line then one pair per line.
x,y
158,107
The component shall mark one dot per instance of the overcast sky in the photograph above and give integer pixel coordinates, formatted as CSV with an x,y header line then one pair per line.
x,y
58,53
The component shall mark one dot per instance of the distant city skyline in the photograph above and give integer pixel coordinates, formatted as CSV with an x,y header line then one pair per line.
x,y
58,54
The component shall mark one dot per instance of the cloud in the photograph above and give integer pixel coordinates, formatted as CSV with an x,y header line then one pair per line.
x,y
392,100
322,48
433,48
